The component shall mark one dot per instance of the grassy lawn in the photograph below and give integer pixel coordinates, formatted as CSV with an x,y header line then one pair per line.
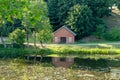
x,y
55,50
86,51
76,50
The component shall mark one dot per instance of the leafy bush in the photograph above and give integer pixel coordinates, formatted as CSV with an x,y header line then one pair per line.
x,y
16,45
18,36
44,35
1,46
22,52
118,5
113,35
100,30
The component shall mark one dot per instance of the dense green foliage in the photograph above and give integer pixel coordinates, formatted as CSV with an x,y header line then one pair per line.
x,y
80,20
35,18
18,36
99,31
53,13
100,8
9,10
44,36
22,52
12,10
60,10
31,15
8,27
100,28
113,34
118,5
4,30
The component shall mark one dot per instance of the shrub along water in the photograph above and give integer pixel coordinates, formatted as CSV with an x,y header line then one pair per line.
x,y
21,52
112,35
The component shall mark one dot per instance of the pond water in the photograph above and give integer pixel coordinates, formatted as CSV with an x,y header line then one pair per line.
x,y
83,69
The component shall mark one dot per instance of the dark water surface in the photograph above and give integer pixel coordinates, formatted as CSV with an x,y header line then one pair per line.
x,y
83,69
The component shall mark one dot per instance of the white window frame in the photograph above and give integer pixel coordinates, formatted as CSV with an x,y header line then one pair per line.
x,y
56,39
56,59
70,59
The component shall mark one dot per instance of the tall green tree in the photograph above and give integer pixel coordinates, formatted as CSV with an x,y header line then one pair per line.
x,y
58,9
80,20
63,8
8,11
35,17
53,13
26,20
100,8
44,36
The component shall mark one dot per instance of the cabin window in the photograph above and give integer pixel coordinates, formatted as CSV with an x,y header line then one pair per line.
x,y
56,39
56,59
70,39
70,59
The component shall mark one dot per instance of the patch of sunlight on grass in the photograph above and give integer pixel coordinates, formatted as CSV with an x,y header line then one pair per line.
x,y
53,55
105,45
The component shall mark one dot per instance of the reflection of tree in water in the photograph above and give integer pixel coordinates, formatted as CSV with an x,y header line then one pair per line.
x,y
104,65
91,63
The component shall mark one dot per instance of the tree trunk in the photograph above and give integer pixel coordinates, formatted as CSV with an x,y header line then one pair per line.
x,y
34,34
12,43
41,44
27,38
35,58
41,58
2,40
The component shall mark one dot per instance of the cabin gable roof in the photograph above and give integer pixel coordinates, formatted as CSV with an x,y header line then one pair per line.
x,y
66,29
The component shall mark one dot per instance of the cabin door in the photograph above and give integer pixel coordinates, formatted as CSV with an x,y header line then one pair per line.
x,y
63,39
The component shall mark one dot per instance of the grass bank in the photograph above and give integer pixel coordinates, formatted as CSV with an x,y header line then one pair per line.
x,y
59,51
21,52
